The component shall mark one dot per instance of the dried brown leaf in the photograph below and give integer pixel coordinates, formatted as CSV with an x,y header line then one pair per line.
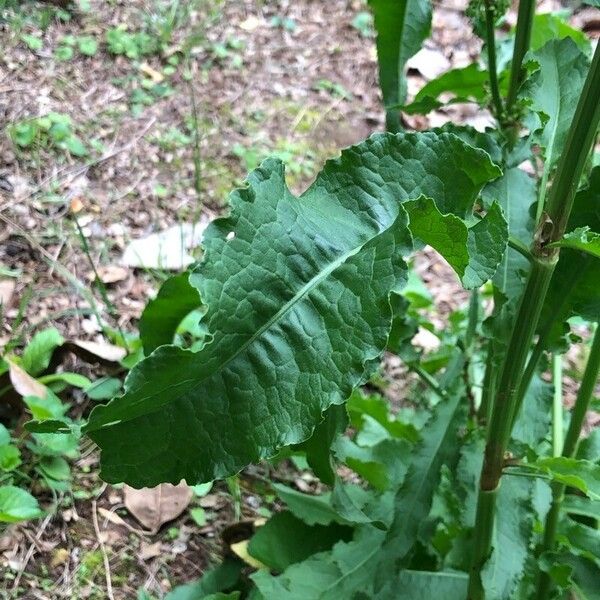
x,y
153,507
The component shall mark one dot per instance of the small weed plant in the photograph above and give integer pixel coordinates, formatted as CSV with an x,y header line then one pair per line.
x,y
473,490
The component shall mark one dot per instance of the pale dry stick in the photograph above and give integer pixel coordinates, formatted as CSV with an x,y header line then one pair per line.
x,y
129,189
109,590
57,253
332,105
30,551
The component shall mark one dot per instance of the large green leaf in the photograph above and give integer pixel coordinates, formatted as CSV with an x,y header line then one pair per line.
x,y
552,92
17,505
175,299
297,291
285,540
402,26
344,572
473,252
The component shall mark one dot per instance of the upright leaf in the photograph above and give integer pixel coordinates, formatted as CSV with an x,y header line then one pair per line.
x,y
297,291
402,26
550,26
318,446
552,92
514,524
574,288
413,499
515,192
533,422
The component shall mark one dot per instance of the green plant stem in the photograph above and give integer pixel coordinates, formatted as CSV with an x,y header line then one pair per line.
x,y
557,406
492,66
569,450
520,247
579,142
472,320
428,380
484,519
522,40
500,425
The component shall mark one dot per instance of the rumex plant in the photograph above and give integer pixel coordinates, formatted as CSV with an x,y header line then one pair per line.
x,y
474,493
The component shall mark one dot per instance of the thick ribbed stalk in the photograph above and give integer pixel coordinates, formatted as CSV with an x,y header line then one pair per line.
x,y
490,43
488,387
550,229
582,404
500,425
522,39
543,337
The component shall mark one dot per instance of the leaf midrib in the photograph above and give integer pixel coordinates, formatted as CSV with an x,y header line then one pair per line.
x,y
298,296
